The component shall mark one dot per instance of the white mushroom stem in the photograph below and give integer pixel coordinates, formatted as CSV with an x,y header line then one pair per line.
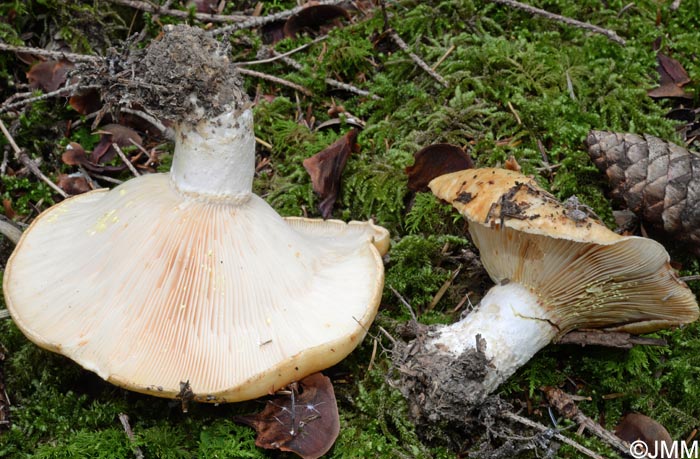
x,y
513,324
216,158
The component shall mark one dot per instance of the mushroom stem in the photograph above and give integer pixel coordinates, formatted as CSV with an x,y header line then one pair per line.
x,y
216,158
510,321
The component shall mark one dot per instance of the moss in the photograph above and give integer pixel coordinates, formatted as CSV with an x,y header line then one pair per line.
x,y
518,85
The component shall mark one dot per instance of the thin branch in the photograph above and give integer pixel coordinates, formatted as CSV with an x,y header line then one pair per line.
x,y
420,62
10,230
4,313
167,132
66,90
563,403
329,81
536,425
558,18
277,56
125,160
124,419
73,57
274,79
28,163
108,179
690,278
251,23
155,9
610,339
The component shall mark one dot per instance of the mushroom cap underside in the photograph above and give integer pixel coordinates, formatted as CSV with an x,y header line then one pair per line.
x,y
585,275
149,289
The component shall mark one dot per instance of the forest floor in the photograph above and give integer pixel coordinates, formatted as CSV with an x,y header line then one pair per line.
x,y
494,80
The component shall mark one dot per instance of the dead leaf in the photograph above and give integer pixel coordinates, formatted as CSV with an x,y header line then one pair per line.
x,y
205,6
86,103
672,79
326,167
436,160
73,184
313,17
75,155
48,75
113,133
671,71
635,426
7,207
305,422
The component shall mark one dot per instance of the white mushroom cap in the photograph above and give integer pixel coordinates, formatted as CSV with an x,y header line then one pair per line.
x,y
584,274
189,276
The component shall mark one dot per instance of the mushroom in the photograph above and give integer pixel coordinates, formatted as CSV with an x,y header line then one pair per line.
x,y
556,269
188,277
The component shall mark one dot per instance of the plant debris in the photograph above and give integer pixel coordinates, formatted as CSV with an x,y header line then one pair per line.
x,y
304,422
48,75
123,136
184,76
638,427
673,77
4,399
657,180
326,167
436,160
313,16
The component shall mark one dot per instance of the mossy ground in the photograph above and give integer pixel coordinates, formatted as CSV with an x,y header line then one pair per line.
x,y
515,82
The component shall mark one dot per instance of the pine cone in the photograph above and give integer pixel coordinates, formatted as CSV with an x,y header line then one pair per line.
x,y
657,180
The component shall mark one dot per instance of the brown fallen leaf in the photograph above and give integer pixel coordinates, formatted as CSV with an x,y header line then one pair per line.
x,y
436,160
326,167
672,79
104,152
86,103
73,184
48,75
635,426
305,422
313,17
205,6
75,155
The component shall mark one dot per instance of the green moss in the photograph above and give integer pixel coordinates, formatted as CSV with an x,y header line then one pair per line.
x,y
518,85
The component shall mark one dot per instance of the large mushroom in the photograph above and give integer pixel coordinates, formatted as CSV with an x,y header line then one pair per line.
x,y
556,269
189,277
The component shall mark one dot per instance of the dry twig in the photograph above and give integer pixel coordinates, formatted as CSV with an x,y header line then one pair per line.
x,y
558,436
610,339
126,161
274,79
569,21
10,230
329,81
124,419
64,91
420,62
73,57
28,163
4,314
252,22
164,11
565,405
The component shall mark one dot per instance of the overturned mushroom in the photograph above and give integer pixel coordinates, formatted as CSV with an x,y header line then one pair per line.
x,y
555,270
189,277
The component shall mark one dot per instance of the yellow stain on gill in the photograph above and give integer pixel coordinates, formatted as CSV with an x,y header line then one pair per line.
x,y
109,218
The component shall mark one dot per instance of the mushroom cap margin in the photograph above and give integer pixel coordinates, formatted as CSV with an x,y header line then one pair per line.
x,y
104,217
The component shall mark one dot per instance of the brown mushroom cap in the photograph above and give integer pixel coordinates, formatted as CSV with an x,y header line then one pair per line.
x,y
586,275
150,288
